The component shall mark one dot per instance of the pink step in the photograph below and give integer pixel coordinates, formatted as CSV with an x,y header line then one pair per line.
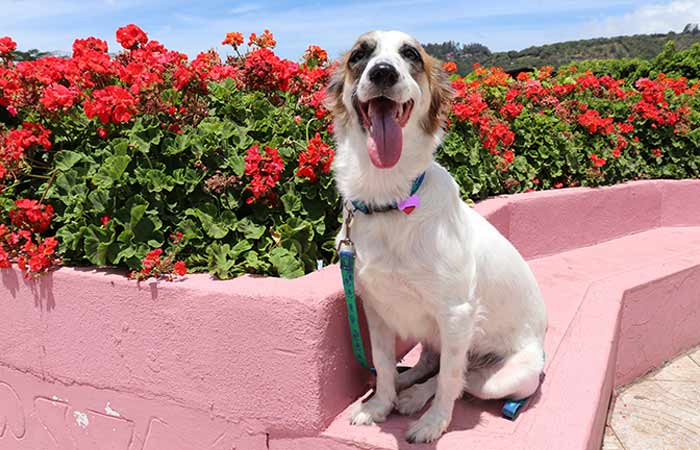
x,y
91,360
606,327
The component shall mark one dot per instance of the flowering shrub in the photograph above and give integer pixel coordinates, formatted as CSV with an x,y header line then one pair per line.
x,y
150,161
540,131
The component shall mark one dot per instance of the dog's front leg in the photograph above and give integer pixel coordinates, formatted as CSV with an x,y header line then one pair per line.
x,y
383,341
456,330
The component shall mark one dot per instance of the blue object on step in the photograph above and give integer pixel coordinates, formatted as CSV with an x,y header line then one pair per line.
x,y
512,408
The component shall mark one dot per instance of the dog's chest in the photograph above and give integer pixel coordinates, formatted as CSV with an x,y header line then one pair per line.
x,y
397,299
394,281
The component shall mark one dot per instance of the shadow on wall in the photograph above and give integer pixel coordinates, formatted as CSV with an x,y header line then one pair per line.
x,y
41,287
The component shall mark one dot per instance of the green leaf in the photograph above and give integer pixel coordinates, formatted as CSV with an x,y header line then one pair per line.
x,y
291,202
249,229
286,263
95,244
137,212
69,236
65,159
207,217
99,200
111,171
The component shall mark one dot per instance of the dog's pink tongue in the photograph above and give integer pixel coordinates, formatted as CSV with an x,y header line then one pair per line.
x,y
385,141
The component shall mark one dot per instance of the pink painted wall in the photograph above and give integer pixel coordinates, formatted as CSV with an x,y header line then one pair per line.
x,y
209,364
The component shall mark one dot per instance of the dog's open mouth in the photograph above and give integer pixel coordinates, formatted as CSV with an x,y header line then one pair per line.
x,y
384,119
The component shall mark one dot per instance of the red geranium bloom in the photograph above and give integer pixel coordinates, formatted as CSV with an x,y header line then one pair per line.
x,y
264,41
131,36
31,215
180,268
7,45
235,39
450,67
111,104
58,97
317,154
597,161
265,171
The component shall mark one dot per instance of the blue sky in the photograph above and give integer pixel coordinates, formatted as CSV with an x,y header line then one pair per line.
x,y
191,27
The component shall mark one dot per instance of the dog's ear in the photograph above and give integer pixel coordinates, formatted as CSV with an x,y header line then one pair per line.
x,y
441,95
333,100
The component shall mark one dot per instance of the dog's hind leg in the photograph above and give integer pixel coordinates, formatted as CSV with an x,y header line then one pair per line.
x,y
516,376
414,398
427,365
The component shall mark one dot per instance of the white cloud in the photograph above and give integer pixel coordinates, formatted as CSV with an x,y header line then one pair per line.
x,y
656,18
505,25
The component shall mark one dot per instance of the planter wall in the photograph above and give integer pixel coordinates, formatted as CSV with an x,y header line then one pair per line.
x,y
92,360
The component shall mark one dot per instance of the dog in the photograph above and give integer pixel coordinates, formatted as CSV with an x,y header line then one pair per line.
x,y
436,271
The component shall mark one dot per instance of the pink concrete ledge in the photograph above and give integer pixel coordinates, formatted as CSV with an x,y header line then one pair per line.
x,y
91,360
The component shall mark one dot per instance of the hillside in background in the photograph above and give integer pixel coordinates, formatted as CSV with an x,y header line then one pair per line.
x,y
643,46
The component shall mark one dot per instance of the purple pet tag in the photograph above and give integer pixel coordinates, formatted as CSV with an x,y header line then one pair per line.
x,y
411,203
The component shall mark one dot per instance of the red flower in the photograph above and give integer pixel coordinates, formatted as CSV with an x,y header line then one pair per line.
x,y
111,104
180,268
511,110
657,152
264,41
31,215
105,220
86,47
7,45
472,107
597,161
508,158
131,37
17,141
4,259
58,97
235,39
152,259
266,71
317,154
315,55
594,123
102,133
265,171
450,67
523,76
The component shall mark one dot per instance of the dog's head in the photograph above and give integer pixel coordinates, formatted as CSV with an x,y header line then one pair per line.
x,y
388,90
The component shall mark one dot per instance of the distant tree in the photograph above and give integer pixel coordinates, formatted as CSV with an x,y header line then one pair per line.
x,y
637,48
29,55
692,28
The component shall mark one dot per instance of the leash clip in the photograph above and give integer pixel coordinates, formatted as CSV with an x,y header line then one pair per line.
x,y
347,225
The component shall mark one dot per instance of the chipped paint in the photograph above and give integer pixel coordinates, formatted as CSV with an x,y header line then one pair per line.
x,y
110,412
81,419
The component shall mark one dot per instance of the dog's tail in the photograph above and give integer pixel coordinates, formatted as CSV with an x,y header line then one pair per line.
x,y
516,376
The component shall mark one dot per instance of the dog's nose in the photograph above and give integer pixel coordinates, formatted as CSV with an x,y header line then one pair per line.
x,y
383,75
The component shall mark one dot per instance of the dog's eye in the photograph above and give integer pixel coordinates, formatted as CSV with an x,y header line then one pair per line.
x,y
356,55
410,53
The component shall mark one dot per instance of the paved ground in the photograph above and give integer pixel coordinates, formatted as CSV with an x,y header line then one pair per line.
x,y
660,411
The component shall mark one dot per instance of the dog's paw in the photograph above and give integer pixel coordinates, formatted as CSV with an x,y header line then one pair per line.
x,y
413,399
428,428
372,411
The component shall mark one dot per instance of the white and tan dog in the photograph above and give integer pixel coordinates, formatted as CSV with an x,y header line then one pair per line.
x,y
441,274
